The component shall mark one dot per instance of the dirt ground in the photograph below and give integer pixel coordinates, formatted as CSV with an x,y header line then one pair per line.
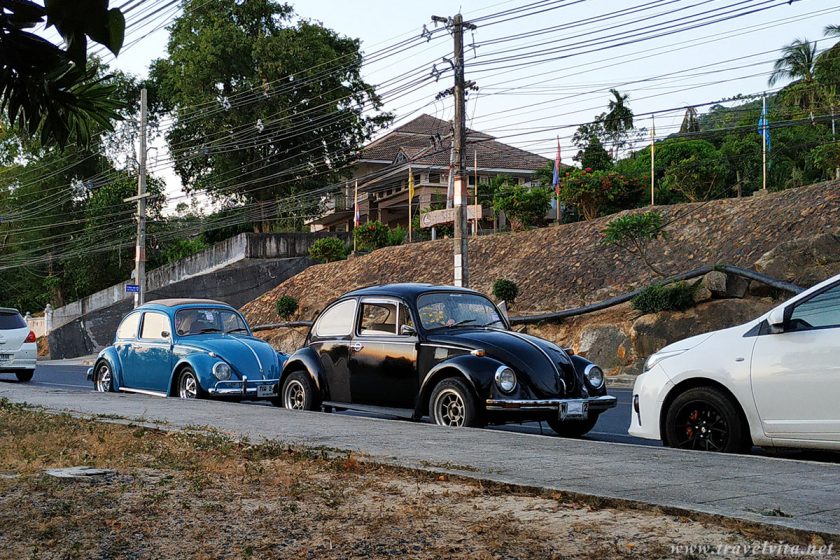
x,y
201,495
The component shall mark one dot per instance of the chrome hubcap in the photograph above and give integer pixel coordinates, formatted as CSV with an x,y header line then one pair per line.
x,y
188,388
103,379
295,396
450,409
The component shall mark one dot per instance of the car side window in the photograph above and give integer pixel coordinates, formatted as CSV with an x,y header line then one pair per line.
x,y
128,328
378,318
153,325
821,311
405,316
337,320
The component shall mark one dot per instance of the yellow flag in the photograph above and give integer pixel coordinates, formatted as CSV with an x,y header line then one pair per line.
x,y
410,184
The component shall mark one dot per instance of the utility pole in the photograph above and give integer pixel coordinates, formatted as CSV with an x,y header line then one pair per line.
x,y
140,253
764,142
834,139
652,156
460,191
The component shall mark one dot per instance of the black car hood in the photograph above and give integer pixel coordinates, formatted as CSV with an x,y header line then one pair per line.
x,y
539,360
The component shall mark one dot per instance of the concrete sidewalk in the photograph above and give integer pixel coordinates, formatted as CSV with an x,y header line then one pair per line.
x,y
80,361
784,492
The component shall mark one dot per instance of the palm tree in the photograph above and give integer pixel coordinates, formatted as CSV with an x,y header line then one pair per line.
x,y
618,121
831,30
796,63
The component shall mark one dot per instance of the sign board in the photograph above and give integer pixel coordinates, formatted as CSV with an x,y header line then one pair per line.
x,y
447,216
132,289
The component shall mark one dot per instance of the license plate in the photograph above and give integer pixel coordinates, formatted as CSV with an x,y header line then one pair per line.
x,y
5,357
574,410
267,390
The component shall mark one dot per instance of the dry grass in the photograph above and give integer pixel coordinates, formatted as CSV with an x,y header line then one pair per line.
x,y
203,495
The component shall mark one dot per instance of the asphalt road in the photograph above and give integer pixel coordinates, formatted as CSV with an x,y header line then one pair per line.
x,y
611,426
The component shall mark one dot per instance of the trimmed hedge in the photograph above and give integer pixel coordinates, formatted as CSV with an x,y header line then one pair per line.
x,y
286,306
678,296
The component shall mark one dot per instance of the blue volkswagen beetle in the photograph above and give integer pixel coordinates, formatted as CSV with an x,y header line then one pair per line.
x,y
190,348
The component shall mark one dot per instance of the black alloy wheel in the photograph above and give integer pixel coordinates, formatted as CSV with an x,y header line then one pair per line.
x,y
24,375
704,418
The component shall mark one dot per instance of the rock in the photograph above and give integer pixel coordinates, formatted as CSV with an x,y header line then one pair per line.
x,y
724,285
804,262
607,346
81,473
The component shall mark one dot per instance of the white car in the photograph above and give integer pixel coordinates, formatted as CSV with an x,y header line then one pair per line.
x,y
18,350
773,382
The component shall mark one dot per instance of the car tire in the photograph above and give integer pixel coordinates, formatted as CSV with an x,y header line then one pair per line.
x,y
103,380
299,392
25,375
573,428
705,418
452,404
188,385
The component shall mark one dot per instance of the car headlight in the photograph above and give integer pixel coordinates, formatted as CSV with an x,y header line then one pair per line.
x,y
221,371
594,375
505,379
659,356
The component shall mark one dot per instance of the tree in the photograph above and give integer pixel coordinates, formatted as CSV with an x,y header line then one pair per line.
x,y
589,138
701,176
49,89
524,206
797,63
258,98
594,192
618,121
634,233
690,123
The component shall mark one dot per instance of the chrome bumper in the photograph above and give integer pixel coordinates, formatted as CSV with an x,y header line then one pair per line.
x,y
245,387
594,404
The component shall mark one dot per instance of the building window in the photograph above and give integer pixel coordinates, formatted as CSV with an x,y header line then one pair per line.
x,y
434,177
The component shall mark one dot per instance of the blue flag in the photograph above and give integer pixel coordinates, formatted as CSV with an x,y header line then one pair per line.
x,y
764,127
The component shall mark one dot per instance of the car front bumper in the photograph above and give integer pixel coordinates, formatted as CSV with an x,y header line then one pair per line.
x,y
592,404
257,388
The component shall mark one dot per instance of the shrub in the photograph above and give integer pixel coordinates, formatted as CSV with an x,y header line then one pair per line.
x,y
397,236
592,192
505,290
286,306
328,249
634,233
678,296
524,206
371,235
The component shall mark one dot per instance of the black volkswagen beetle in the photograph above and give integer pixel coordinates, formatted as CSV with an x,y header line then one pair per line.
x,y
441,351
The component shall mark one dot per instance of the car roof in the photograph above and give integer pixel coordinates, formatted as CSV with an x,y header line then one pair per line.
x,y
176,302
406,290
9,310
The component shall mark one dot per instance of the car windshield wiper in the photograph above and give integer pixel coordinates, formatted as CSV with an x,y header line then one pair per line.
x,y
492,322
458,324
202,331
236,330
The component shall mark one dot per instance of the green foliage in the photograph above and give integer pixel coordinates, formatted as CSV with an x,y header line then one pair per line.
x,y
47,89
678,296
505,290
697,177
371,236
524,206
183,248
328,249
634,233
397,236
305,73
286,306
594,156
592,192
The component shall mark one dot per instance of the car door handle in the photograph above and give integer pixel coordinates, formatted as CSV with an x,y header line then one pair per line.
x,y
356,346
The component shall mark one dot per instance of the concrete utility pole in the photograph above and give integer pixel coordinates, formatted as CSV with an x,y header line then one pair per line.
x,y
834,139
652,156
460,191
764,142
140,254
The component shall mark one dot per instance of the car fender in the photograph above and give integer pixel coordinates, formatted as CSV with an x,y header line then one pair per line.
x,y
580,363
305,359
478,371
110,355
201,363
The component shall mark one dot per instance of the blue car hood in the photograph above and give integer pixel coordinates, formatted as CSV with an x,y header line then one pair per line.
x,y
245,354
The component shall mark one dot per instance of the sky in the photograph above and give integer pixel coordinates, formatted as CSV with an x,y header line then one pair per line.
x,y
543,71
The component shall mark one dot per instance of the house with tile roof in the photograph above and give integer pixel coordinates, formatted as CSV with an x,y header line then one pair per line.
x,y
423,145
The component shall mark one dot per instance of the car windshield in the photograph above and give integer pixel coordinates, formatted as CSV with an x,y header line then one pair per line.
x,y
452,309
201,320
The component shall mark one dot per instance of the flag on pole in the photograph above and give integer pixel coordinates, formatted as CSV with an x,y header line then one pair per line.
x,y
410,186
764,126
556,179
356,217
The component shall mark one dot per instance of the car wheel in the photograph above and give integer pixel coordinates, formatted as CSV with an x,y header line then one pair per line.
x,y
188,385
705,418
573,428
453,404
299,392
24,375
103,381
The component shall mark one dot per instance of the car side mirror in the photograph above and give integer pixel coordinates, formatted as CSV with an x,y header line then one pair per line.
x,y
407,330
776,320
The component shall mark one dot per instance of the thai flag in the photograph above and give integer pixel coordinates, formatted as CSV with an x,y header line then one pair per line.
x,y
356,218
556,179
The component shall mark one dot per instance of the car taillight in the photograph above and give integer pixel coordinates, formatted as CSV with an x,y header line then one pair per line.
x,y
30,337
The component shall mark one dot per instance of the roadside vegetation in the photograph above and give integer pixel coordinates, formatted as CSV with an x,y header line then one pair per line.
x,y
200,494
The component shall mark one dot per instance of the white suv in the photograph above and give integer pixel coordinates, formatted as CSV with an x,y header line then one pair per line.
x,y
18,350
772,382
